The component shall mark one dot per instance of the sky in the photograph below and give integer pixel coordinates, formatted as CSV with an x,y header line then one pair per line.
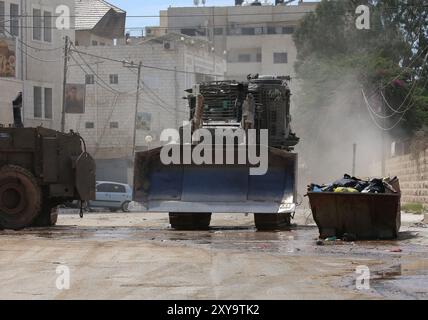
x,y
150,7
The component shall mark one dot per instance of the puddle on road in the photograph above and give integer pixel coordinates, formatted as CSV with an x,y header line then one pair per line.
x,y
408,280
401,274
297,240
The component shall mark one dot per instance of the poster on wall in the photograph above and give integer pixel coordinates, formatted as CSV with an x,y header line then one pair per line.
x,y
75,98
144,121
7,58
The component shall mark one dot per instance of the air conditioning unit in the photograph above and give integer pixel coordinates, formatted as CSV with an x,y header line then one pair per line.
x,y
149,31
169,45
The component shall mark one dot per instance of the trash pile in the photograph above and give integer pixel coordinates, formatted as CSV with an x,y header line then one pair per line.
x,y
350,184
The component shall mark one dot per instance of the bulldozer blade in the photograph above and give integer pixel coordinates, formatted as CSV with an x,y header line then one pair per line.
x,y
215,188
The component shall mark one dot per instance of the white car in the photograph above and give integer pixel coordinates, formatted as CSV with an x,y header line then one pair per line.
x,y
112,195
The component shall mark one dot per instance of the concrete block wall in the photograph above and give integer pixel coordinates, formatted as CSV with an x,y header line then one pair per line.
x,y
413,174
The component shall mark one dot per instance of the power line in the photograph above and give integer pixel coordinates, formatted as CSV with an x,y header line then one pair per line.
x,y
157,96
25,51
158,103
29,46
403,70
87,73
96,74
220,15
410,91
145,66
399,120
42,60
230,25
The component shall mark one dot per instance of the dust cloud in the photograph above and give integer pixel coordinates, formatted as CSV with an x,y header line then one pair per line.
x,y
329,130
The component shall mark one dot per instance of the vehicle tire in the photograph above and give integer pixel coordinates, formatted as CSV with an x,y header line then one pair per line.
x,y
125,206
20,197
190,221
272,221
47,217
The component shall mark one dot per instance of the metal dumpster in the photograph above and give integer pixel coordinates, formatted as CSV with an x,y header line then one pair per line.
x,y
365,216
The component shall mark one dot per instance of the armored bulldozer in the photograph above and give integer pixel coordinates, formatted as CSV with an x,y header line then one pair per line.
x,y
228,121
39,170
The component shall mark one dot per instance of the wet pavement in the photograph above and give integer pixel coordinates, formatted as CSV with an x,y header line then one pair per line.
x,y
136,255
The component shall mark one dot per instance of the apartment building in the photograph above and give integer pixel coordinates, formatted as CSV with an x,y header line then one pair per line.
x,y
34,31
254,38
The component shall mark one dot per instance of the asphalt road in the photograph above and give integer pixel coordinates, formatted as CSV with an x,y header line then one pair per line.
x,y
137,256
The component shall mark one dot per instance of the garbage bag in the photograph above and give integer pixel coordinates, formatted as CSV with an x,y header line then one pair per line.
x,y
345,189
375,186
347,182
353,184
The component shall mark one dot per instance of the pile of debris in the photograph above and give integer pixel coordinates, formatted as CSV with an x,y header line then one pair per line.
x,y
350,184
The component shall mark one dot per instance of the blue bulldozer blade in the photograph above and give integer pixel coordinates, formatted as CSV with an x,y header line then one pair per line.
x,y
215,188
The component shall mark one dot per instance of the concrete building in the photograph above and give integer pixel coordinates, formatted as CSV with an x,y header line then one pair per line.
x,y
254,38
171,64
29,34
98,23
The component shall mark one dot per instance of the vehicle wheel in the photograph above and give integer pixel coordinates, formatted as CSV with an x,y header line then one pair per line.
x,y
272,221
190,221
20,197
47,217
125,206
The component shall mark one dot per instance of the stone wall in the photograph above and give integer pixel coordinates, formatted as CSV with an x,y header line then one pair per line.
x,y
412,171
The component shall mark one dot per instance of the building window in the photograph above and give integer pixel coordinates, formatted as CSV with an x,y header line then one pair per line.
x,y
114,125
271,30
259,57
89,125
114,79
218,31
47,26
280,57
259,30
89,79
2,17
244,57
288,30
37,24
248,31
14,19
37,102
42,102
94,42
48,103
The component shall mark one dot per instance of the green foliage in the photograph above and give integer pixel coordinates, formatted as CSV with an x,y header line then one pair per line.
x,y
416,208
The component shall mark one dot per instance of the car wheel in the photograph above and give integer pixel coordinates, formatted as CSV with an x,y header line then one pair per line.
x,y
125,206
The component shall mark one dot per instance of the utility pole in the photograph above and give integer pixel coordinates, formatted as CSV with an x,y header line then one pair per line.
x,y
64,83
354,159
383,132
176,98
140,65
